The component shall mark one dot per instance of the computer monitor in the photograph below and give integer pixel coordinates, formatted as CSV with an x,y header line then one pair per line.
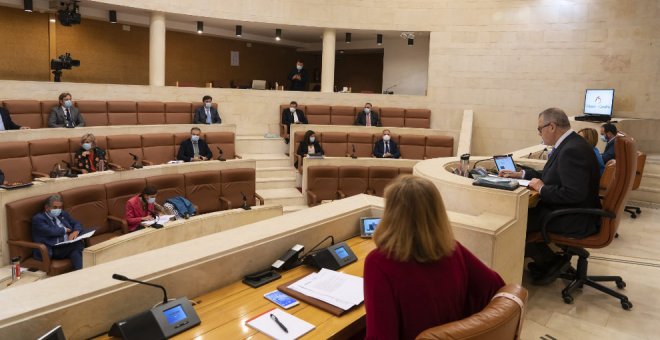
x,y
598,102
258,84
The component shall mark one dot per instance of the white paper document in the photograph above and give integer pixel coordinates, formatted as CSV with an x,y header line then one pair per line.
x,y
162,219
295,326
523,182
80,237
338,289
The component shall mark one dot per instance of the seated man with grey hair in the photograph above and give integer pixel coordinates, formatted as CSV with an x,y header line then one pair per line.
x,y
52,226
569,179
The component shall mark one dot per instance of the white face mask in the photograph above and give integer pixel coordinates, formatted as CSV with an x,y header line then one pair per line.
x,y
194,138
87,146
151,200
603,138
299,67
386,138
367,110
68,103
312,139
292,109
208,105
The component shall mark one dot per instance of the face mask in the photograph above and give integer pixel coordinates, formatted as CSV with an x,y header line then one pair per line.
x,y
68,103
312,139
386,138
194,138
208,105
292,109
55,212
603,138
367,110
151,200
299,67
87,146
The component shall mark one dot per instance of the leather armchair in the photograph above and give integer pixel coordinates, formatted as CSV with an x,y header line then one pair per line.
x,y
353,180
322,184
15,162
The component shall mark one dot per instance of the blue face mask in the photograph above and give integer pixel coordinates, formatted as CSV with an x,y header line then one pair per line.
x,y
151,200
68,103
55,212
87,146
312,139
194,138
603,138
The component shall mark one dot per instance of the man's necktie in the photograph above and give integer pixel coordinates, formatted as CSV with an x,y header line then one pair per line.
x,y
208,116
68,117
368,119
387,147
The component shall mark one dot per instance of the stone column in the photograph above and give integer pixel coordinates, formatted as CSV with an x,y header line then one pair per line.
x,y
328,60
157,49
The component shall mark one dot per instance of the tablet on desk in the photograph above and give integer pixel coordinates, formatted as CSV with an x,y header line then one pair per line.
x,y
504,163
368,226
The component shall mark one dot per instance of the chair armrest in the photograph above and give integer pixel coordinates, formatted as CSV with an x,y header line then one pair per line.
x,y
341,194
122,223
237,156
311,198
371,192
282,130
115,166
569,211
76,170
299,158
37,174
147,163
261,199
33,245
226,201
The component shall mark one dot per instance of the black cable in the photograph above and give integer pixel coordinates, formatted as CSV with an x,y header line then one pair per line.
x,y
318,244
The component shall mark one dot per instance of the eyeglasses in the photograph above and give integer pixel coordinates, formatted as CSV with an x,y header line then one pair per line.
x,y
543,127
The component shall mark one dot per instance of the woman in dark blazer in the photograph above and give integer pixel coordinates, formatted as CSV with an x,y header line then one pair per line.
x,y
309,146
90,158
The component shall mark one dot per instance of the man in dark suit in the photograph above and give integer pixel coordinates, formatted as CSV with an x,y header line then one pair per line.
x,y
65,115
292,116
194,149
207,114
367,117
386,148
569,179
6,123
298,77
52,226
608,133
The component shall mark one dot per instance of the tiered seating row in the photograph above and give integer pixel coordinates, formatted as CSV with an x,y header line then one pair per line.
x,y
21,161
346,115
340,144
101,207
34,113
329,182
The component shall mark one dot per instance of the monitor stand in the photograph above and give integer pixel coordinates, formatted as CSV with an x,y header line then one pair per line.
x,y
594,118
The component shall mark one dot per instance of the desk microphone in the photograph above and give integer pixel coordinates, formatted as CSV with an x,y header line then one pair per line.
x,y
542,152
136,163
124,278
245,202
353,154
482,160
220,158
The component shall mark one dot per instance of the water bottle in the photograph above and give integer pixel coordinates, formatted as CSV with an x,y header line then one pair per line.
x,y
101,166
15,268
464,166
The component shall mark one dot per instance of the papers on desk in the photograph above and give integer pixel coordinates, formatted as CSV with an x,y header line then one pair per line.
x,y
80,237
162,219
523,182
338,289
295,327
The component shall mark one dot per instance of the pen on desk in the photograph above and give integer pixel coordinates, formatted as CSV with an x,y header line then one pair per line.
x,y
272,316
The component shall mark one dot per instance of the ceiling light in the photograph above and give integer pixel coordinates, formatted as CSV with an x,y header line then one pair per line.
x,y
239,31
348,38
278,34
27,6
379,39
112,15
200,27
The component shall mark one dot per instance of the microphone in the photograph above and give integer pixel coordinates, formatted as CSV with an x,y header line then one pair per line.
x,y
482,160
245,202
353,154
220,158
69,173
136,163
387,90
542,152
124,278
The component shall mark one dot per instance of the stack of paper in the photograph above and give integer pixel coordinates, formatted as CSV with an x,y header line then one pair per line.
x,y
338,289
162,219
80,237
295,327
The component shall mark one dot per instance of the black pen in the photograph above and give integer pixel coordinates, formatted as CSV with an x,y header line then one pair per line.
x,y
272,316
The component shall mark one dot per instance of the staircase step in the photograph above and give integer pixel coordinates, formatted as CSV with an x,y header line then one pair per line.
x,y
650,180
285,197
260,144
276,182
293,208
276,171
265,160
645,194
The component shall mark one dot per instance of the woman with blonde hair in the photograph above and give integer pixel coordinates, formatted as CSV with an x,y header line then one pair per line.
x,y
90,158
591,136
419,277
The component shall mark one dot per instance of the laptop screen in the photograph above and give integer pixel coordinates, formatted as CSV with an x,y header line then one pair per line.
x,y
504,163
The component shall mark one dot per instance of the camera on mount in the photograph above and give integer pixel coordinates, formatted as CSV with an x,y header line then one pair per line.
x,y
69,13
63,62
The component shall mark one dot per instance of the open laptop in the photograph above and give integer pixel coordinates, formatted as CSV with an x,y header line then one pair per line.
x,y
504,162
368,226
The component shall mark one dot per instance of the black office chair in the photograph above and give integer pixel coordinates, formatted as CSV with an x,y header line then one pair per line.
x,y
613,204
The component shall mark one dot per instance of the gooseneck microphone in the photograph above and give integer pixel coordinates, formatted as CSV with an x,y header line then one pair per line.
x,y
353,154
136,162
220,158
245,206
124,278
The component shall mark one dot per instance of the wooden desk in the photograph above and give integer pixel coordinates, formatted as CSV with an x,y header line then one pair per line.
x,y
223,312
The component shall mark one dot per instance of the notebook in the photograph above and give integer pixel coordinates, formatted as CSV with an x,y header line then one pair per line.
x,y
295,326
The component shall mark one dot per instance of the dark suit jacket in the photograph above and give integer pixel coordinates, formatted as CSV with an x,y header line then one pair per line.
x,y
379,149
2,177
287,118
200,116
186,151
297,85
362,119
6,120
56,117
46,231
608,154
302,148
571,178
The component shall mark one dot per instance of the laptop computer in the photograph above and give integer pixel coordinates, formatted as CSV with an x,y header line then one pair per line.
x,y
504,162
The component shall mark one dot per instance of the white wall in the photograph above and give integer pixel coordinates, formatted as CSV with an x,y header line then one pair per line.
x,y
405,66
